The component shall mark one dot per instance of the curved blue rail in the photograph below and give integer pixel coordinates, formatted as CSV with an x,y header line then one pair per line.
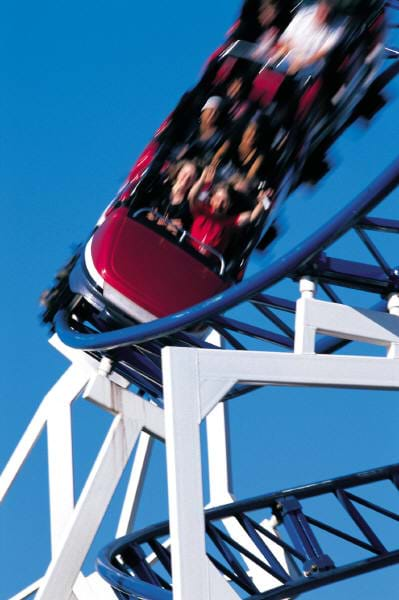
x,y
293,261
124,565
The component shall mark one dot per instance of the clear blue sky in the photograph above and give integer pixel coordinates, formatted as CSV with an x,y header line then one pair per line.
x,y
84,85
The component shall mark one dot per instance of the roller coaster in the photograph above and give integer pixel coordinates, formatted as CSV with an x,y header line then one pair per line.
x,y
273,546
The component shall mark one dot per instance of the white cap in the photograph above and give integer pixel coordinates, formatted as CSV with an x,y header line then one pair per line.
x,y
212,102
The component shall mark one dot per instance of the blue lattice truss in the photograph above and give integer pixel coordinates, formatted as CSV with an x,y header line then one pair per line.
x,y
354,511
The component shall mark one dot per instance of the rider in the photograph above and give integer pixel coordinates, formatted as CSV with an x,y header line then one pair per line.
x,y
212,224
309,37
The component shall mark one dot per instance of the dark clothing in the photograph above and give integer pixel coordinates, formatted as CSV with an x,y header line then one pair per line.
x,y
240,165
249,28
236,114
162,202
203,150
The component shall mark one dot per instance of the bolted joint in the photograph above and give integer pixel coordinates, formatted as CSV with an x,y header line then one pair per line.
x,y
317,565
285,506
105,366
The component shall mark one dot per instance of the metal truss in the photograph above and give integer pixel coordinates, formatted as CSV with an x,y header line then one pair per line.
x,y
231,546
125,564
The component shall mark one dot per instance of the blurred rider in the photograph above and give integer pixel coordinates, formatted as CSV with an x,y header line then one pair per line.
x,y
212,224
309,37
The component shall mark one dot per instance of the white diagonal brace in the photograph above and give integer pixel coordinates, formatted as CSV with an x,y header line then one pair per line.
x,y
135,485
90,508
115,399
69,386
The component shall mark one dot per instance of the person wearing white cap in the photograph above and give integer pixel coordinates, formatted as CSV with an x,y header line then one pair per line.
x,y
213,103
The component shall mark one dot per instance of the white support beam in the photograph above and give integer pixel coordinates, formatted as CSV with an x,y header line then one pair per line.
x,y
305,331
133,414
350,323
135,485
393,308
193,575
116,400
218,442
186,515
68,386
90,509
219,456
195,381
60,465
277,368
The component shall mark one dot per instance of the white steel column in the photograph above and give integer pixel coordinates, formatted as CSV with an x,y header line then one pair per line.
x,y
305,332
186,515
393,308
194,577
60,464
218,441
196,380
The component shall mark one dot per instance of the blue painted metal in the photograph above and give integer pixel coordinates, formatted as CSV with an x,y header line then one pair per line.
x,y
378,224
277,569
293,261
117,566
290,511
360,522
253,332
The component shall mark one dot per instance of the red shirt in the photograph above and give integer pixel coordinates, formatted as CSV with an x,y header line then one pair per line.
x,y
211,229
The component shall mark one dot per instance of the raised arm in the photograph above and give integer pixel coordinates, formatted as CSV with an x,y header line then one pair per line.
x,y
207,176
263,204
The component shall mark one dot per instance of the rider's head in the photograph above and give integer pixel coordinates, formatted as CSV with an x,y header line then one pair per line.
x,y
185,175
267,13
210,111
220,200
323,11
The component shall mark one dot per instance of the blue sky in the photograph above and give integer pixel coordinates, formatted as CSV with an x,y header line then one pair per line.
x,y
84,86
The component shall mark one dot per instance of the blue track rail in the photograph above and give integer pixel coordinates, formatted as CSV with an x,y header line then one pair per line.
x,y
135,349
306,534
308,257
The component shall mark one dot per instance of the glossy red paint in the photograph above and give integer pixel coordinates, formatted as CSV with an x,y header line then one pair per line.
x,y
148,269
141,165
266,86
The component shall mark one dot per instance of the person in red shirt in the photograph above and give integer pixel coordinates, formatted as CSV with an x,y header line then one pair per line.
x,y
212,225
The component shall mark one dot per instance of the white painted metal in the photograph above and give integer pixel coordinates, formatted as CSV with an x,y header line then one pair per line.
x,y
305,333
196,380
221,491
219,456
186,514
28,591
74,527
218,442
90,508
393,308
135,486
69,385
60,465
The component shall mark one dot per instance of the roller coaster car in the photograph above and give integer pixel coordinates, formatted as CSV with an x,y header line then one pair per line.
x,y
133,269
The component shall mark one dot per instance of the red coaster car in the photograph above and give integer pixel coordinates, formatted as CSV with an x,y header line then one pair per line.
x,y
134,268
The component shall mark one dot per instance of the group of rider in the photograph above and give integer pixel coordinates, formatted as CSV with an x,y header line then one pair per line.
x,y
219,179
